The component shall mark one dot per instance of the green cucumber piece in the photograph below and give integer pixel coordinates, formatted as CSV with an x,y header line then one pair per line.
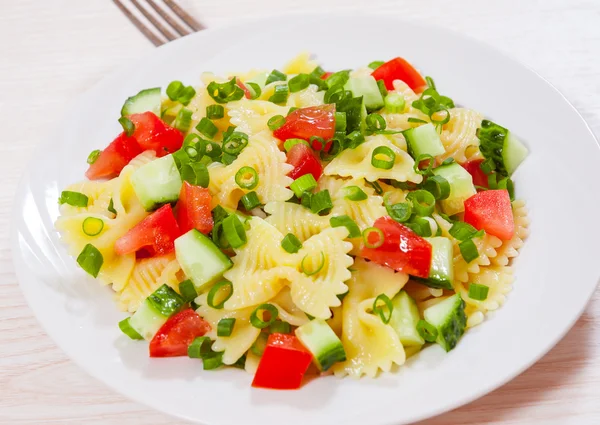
x,y
326,348
157,182
442,263
166,301
144,101
366,87
513,153
461,187
147,320
499,145
424,140
201,260
450,320
405,317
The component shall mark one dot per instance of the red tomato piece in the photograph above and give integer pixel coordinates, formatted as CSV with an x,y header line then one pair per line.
x,y
402,249
304,161
154,134
283,363
479,177
114,158
491,211
399,69
193,209
156,233
241,85
174,337
304,123
326,75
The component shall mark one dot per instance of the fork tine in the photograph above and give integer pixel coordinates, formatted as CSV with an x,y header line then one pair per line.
x,y
139,25
180,29
164,31
186,17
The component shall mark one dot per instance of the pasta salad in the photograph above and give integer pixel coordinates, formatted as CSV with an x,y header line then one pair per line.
x,y
296,221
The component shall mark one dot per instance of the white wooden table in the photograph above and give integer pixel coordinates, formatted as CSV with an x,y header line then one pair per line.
x,y
50,51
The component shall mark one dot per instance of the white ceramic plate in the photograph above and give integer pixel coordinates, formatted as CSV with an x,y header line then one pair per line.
x,y
556,272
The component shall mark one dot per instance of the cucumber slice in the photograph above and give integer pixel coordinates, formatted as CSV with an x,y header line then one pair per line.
x,y
201,260
498,144
449,319
146,321
405,317
367,88
442,263
424,140
157,182
144,101
322,342
461,187
513,153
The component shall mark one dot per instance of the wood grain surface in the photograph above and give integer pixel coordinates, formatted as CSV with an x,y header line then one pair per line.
x,y
52,50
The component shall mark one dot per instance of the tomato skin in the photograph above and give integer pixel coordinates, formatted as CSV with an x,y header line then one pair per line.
x,y
402,250
399,69
156,234
154,134
304,161
304,123
283,363
326,75
241,85
114,158
491,210
193,209
479,177
174,337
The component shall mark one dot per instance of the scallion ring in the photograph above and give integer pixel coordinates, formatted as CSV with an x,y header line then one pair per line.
x,y
384,164
381,312
438,186
370,242
254,89
375,122
355,193
299,83
219,287
246,178
275,122
429,169
234,231
93,156
92,226
423,202
427,331
304,266
260,323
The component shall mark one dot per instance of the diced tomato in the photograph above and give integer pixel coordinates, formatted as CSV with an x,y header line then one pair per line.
x,y
241,85
193,209
326,75
174,337
399,69
156,233
479,177
304,123
402,249
154,134
283,363
114,158
491,211
304,161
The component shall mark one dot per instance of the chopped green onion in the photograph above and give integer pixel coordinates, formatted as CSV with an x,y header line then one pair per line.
x,y
212,150
420,226
111,207
275,122
128,126
348,223
187,290
320,202
195,173
254,89
280,327
259,322
207,127
250,200
90,259
126,328
214,112
312,271
340,121
394,103
507,183
225,326
375,122
275,75
305,200
93,156
478,292
235,142
75,199
246,178
427,331
447,161
382,88
336,94
186,95
373,231
290,143
384,164
416,120
424,157
438,186
488,166
174,90
355,193
292,109
92,226
354,139
430,82
381,312
462,231
468,250
432,102
258,348
423,202
234,231
200,347
280,95
375,185
305,183
492,181
318,72
338,78
225,92
212,361
299,82
218,237
400,212
222,286
291,243
183,120
376,64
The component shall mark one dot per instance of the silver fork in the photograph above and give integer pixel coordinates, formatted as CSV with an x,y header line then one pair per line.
x,y
160,32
